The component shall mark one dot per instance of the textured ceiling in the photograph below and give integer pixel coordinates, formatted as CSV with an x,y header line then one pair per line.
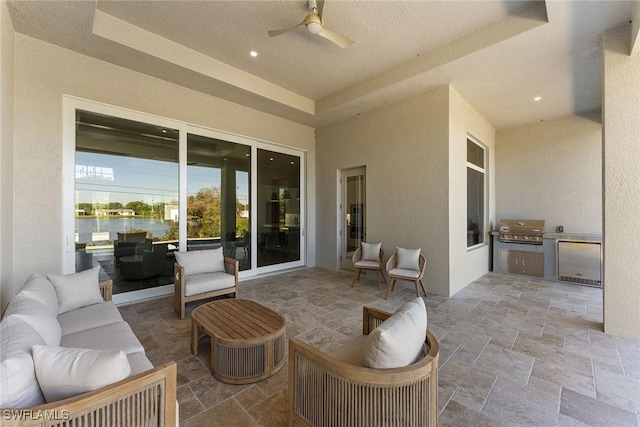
x,y
497,54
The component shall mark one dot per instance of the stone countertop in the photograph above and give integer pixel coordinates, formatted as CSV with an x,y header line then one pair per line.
x,y
566,236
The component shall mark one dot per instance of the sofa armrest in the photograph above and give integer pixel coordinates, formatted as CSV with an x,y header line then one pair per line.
x,y
372,318
148,398
106,289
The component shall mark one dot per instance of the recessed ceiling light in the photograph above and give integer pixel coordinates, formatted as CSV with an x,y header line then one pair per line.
x,y
537,98
293,163
271,158
253,53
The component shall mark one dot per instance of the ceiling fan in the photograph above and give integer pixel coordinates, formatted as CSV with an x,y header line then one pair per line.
x,y
313,22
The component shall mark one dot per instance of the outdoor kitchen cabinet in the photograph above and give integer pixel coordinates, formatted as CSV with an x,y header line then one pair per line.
x,y
523,262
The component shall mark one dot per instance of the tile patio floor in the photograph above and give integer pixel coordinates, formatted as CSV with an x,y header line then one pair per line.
x,y
513,351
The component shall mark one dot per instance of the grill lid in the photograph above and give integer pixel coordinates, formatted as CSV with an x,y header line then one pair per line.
x,y
529,226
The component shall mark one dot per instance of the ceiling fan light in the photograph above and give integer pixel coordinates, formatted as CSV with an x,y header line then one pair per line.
x,y
314,27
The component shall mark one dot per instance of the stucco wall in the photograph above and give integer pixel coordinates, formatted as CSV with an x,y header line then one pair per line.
x,y
621,163
44,73
552,170
406,149
7,54
464,121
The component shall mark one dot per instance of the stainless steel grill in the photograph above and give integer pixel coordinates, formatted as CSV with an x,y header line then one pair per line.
x,y
528,231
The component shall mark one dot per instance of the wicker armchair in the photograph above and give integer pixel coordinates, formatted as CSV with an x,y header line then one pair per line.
x,y
396,274
325,391
360,265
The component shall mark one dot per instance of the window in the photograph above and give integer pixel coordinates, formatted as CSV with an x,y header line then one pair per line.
x,y
475,193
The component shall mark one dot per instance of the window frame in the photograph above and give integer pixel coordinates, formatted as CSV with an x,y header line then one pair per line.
x,y
482,225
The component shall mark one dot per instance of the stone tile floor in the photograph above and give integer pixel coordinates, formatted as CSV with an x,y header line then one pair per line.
x,y
514,351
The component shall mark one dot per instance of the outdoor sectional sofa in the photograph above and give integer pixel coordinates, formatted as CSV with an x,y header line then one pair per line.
x,y
68,358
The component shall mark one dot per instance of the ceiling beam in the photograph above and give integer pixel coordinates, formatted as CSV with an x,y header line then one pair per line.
x,y
134,37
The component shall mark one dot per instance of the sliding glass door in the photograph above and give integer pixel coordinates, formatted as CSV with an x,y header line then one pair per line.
x,y
279,208
218,199
143,187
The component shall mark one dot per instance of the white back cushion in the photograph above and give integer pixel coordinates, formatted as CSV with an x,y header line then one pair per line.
x,y
39,288
408,259
37,316
398,341
371,251
18,384
201,262
66,372
76,290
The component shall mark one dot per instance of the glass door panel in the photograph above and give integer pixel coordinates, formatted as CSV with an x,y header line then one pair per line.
x,y
279,210
218,177
126,200
352,214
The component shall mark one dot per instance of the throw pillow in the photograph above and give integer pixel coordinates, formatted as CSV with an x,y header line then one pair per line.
x,y
76,290
408,259
201,262
37,287
66,372
37,316
371,251
398,341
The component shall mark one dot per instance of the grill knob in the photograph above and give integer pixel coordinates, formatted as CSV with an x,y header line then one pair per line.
x,y
515,237
526,237
537,238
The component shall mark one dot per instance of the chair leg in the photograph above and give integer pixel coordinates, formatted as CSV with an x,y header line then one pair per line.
x,y
356,276
423,289
378,273
392,282
417,291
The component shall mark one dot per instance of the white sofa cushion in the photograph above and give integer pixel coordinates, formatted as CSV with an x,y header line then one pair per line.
x,y
201,283
18,384
398,341
408,259
76,290
37,316
201,262
114,336
39,288
371,251
89,317
139,363
67,372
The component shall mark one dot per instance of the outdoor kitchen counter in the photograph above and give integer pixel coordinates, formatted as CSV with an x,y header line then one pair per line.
x,y
548,247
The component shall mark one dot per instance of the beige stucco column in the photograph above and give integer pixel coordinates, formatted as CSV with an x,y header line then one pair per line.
x,y
621,184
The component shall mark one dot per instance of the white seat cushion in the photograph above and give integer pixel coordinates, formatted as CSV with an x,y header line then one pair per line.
x,y
139,363
398,341
89,317
402,272
115,336
201,283
367,264
39,288
18,384
66,372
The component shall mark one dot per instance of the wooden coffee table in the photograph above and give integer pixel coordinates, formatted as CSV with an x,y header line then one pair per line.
x,y
247,339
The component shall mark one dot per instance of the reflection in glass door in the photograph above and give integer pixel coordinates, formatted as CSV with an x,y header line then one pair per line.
x,y
352,214
218,197
279,209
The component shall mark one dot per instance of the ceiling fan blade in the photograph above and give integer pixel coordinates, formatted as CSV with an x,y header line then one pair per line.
x,y
341,41
273,33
